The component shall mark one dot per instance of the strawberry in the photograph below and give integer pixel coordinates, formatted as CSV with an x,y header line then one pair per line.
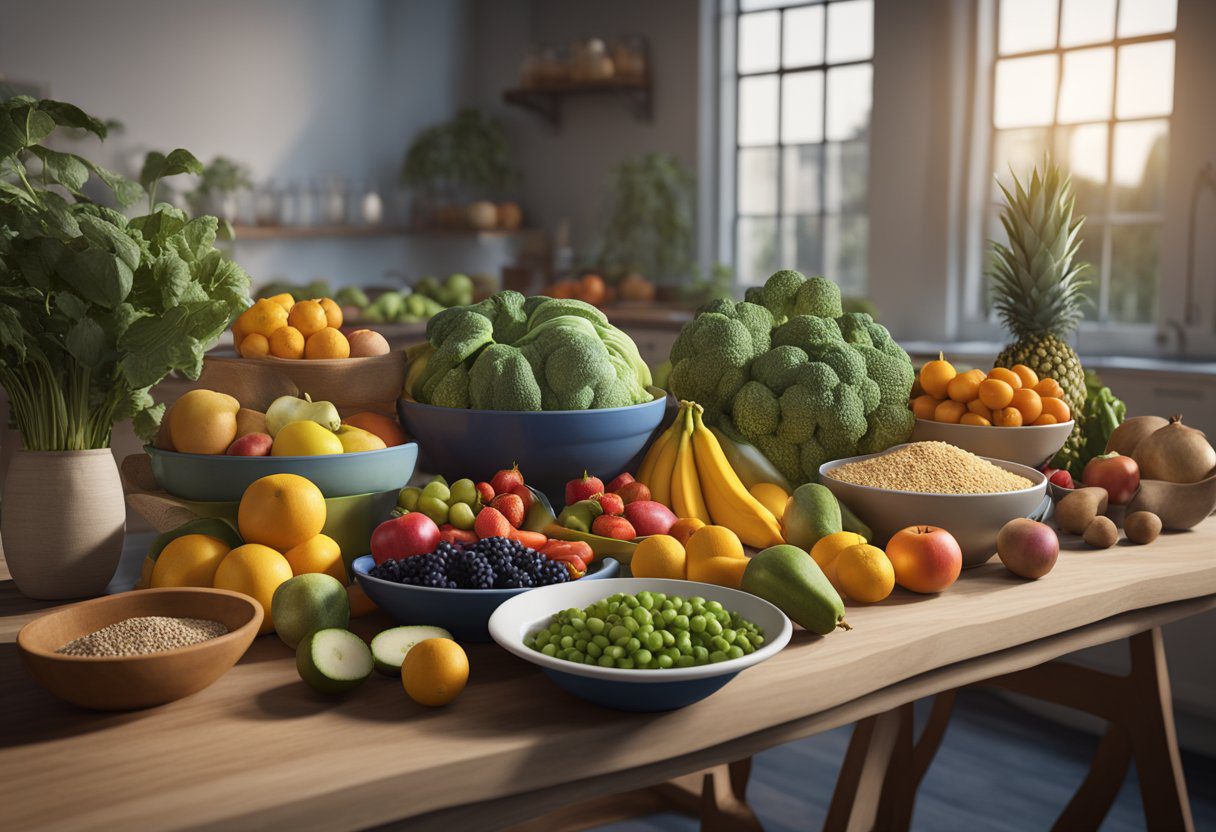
x,y
486,492
583,488
504,479
617,527
511,507
524,493
610,503
491,523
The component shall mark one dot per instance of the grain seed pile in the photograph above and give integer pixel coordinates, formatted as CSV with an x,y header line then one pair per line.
x,y
931,468
144,634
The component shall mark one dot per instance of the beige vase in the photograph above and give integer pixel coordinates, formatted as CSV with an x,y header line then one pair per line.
x,y
62,521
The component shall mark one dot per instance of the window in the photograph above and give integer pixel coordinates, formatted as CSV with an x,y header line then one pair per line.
x,y
1091,81
798,148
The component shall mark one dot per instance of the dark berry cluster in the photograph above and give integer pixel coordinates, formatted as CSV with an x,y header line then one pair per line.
x,y
490,563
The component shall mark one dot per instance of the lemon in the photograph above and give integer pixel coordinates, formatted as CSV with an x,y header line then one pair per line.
x,y
658,556
327,343
319,553
435,671
865,573
189,560
256,571
305,438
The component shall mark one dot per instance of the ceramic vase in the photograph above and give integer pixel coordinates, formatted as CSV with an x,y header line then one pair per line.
x,y
62,522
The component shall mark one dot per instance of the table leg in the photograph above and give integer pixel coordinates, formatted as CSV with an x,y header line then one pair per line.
x,y
1101,786
867,767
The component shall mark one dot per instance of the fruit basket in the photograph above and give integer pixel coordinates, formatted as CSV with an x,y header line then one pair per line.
x,y
1030,445
352,384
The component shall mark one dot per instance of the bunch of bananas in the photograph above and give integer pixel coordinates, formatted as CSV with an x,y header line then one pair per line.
x,y
687,470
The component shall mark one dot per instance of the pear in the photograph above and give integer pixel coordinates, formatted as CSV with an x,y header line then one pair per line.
x,y
287,409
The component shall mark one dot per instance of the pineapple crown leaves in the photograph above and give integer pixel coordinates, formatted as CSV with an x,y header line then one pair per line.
x,y
1037,285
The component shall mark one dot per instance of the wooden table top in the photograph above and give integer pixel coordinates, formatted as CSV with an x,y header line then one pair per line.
x,y
258,749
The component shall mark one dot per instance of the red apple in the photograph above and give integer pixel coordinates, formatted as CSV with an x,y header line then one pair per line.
x,y
251,444
610,503
1118,474
583,488
504,479
649,517
926,558
619,482
634,491
405,536
1027,548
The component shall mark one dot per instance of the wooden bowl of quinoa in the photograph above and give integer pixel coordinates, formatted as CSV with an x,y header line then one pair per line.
x,y
139,649
937,484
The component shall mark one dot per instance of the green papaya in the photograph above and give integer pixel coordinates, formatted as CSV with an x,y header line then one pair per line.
x,y
210,526
811,513
850,522
788,578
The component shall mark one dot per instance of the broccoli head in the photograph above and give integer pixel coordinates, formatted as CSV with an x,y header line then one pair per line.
x,y
712,353
502,379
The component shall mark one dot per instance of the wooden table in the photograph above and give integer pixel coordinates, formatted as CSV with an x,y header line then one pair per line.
x,y
259,750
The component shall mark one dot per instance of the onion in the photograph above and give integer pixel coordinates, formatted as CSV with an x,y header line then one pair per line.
x,y
1175,453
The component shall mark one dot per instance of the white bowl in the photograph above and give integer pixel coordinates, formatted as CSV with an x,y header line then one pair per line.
x,y
1030,445
634,690
973,519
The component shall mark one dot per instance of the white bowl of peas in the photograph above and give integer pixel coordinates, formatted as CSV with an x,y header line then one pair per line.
x,y
640,644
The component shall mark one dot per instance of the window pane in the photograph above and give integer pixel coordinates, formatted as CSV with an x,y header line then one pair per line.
x,y
757,47
849,97
1146,80
1141,148
801,172
753,5
844,252
1087,21
802,108
802,43
845,186
756,249
1082,151
1133,273
1085,93
1025,91
757,189
1026,25
1146,17
1090,251
802,244
850,31
758,110
1019,150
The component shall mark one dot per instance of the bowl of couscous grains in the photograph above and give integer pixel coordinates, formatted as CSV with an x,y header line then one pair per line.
x,y
937,484
139,649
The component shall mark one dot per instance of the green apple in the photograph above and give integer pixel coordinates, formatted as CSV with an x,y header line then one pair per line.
x,y
438,490
434,508
463,491
407,498
308,602
461,515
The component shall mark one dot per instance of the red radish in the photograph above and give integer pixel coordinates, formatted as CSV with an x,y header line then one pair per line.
x,y
511,507
583,488
1060,477
649,517
504,479
610,503
618,527
486,492
491,523
620,482
524,493
403,537
634,491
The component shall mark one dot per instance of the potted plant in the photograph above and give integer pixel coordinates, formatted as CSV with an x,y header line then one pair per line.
x,y
95,309
218,185
649,227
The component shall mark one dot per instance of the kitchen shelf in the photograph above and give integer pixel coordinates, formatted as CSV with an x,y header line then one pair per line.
x,y
546,101
248,233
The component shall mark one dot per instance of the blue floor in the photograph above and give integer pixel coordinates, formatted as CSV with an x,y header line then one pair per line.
x,y
999,768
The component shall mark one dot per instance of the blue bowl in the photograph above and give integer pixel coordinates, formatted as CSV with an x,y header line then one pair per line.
x,y
634,690
218,477
551,447
464,613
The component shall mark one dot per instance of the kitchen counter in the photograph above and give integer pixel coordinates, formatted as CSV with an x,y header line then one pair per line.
x,y
984,351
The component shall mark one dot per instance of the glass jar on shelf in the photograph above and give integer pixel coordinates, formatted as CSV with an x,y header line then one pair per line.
x,y
371,206
629,57
590,61
334,201
266,204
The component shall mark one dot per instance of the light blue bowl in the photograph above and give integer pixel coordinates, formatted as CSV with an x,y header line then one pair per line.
x,y
464,613
551,447
634,690
212,477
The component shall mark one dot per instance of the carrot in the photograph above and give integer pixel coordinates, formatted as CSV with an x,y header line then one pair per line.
x,y
533,540
453,535
579,548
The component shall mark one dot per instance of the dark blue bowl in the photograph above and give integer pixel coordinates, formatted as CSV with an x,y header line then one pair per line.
x,y
218,477
551,447
465,613
628,696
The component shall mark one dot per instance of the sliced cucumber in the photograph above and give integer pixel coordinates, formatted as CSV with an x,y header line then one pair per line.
x,y
333,660
389,647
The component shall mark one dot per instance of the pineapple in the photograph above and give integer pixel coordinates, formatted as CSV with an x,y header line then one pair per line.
x,y
1037,288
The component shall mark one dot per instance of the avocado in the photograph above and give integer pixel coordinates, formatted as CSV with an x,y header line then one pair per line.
x,y
788,578
850,522
811,513
210,526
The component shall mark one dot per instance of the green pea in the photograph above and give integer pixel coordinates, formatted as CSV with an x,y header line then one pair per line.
x,y
615,651
601,640
713,627
594,650
668,615
567,642
632,624
735,652
667,637
633,645
642,657
617,633
575,655
625,664
717,656
542,638
720,644
665,661
697,624
607,661
729,635
549,649
654,641
700,654
580,644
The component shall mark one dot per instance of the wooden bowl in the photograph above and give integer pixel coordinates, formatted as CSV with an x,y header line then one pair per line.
x,y
124,683
352,384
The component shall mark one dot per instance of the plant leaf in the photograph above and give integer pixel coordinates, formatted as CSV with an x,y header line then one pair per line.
x,y
37,260
125,191
172,275
12,334
70,305
105,235
157,166
146,421
98,276
69,115
68,169
86,342
197,238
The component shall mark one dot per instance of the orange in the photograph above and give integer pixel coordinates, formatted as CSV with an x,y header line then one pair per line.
x,y
711,542
1045,419
435,671
1008,417
333,312
1049,387
386,427
1028,402
255,345
284,300
970,418
936,375
924,405
685,527
865,573
287,342
1054,406
360,604
721,571
308,316
979,409
328,343
318,554
659,556
256,571
264,317
1028,376
1006,375
949,411
995,393
238,331
963,388
281,511
826,550
190,560
978,374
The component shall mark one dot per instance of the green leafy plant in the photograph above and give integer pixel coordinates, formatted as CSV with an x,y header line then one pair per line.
x,y
220,176
96,308
467,156
650,223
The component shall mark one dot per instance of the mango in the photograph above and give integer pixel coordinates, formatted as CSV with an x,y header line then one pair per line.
x,y
203,422
811,513
788,578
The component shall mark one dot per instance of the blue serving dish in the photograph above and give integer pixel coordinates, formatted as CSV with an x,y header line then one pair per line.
x,y
634,690
551,447
218,477
464,613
